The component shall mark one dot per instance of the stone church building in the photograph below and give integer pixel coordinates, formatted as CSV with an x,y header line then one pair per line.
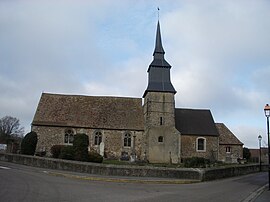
x,y
150,129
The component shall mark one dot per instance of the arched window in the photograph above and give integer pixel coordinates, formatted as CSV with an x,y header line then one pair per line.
x,y
160,139
201,144
127,140
98,138
69,136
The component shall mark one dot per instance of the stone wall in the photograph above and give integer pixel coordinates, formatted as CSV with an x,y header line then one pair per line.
x,y
188,147
232,156
162,139
202,174
156,105
113,140
218,173
101,169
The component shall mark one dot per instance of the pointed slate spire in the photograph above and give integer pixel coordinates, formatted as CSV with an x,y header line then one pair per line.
x,y
159,52
159,70
158,48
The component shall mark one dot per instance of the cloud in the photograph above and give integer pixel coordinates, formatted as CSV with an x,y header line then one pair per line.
x,y
219,51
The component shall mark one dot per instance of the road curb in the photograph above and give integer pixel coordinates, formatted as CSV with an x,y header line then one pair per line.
x,y
255,194
122,180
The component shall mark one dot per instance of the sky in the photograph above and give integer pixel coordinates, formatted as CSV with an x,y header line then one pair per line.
x,y
219,52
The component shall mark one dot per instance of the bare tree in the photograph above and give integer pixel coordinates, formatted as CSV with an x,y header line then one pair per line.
x,y
10,128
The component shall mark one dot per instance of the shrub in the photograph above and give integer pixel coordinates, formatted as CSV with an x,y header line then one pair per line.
x,y
56,150
95,157
246,153
196,162
67,152
80,145
29,143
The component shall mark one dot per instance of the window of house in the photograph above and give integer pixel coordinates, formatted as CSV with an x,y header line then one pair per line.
x,y
228,149
160,139
201,144
127,140
98,138
69,136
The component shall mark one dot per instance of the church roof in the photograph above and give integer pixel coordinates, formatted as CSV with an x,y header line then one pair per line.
x,y
89,112
159,70
195,122
226,136
158,47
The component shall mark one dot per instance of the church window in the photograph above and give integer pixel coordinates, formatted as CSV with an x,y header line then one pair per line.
x,y
201,144
228,149
69,136
98,138
127,140
160,139
160,121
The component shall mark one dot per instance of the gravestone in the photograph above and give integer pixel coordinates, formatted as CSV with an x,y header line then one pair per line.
x,y
101,148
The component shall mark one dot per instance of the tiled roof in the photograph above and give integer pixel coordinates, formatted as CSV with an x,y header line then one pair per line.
x,y
89,112
195,122
226,136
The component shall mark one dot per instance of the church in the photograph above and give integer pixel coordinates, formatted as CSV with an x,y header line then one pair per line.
x,y
147,129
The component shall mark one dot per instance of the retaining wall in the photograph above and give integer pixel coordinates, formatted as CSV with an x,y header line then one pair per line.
x,y
202,174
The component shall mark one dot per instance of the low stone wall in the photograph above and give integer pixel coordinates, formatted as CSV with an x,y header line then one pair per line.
x,y
231,171
102,169
202,174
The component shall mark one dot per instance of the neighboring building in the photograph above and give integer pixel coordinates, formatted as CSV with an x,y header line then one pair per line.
x,y
155,131
230,147
255,155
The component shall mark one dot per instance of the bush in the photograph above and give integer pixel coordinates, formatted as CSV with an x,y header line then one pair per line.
x,y
29,143
95,157
67,152
56,150
80,145
196,162
246,153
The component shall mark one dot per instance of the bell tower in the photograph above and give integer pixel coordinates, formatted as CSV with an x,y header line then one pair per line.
x,y
162,138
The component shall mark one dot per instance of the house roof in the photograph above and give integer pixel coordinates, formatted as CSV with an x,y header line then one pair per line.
x,y
89,112
195,122
226,136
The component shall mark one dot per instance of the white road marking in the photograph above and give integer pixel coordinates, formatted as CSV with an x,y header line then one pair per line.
x,y
5,168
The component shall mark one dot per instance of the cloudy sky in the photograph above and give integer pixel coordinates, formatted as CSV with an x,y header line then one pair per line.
x,y
219,52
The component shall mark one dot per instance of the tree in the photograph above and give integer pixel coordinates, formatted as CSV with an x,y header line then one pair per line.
x,y
10,128
80,145
246,153
29,143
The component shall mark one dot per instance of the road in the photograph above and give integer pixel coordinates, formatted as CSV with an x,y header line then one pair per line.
x,y
23,183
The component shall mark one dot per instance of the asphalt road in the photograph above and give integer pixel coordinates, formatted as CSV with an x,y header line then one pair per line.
x,y
23,183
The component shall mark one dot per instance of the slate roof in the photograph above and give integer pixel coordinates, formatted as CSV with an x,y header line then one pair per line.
x,y
159,70
195,122
158,47
226,136
89,112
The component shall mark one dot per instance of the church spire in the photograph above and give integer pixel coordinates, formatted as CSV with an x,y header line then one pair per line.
x,y
159,69
158,47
